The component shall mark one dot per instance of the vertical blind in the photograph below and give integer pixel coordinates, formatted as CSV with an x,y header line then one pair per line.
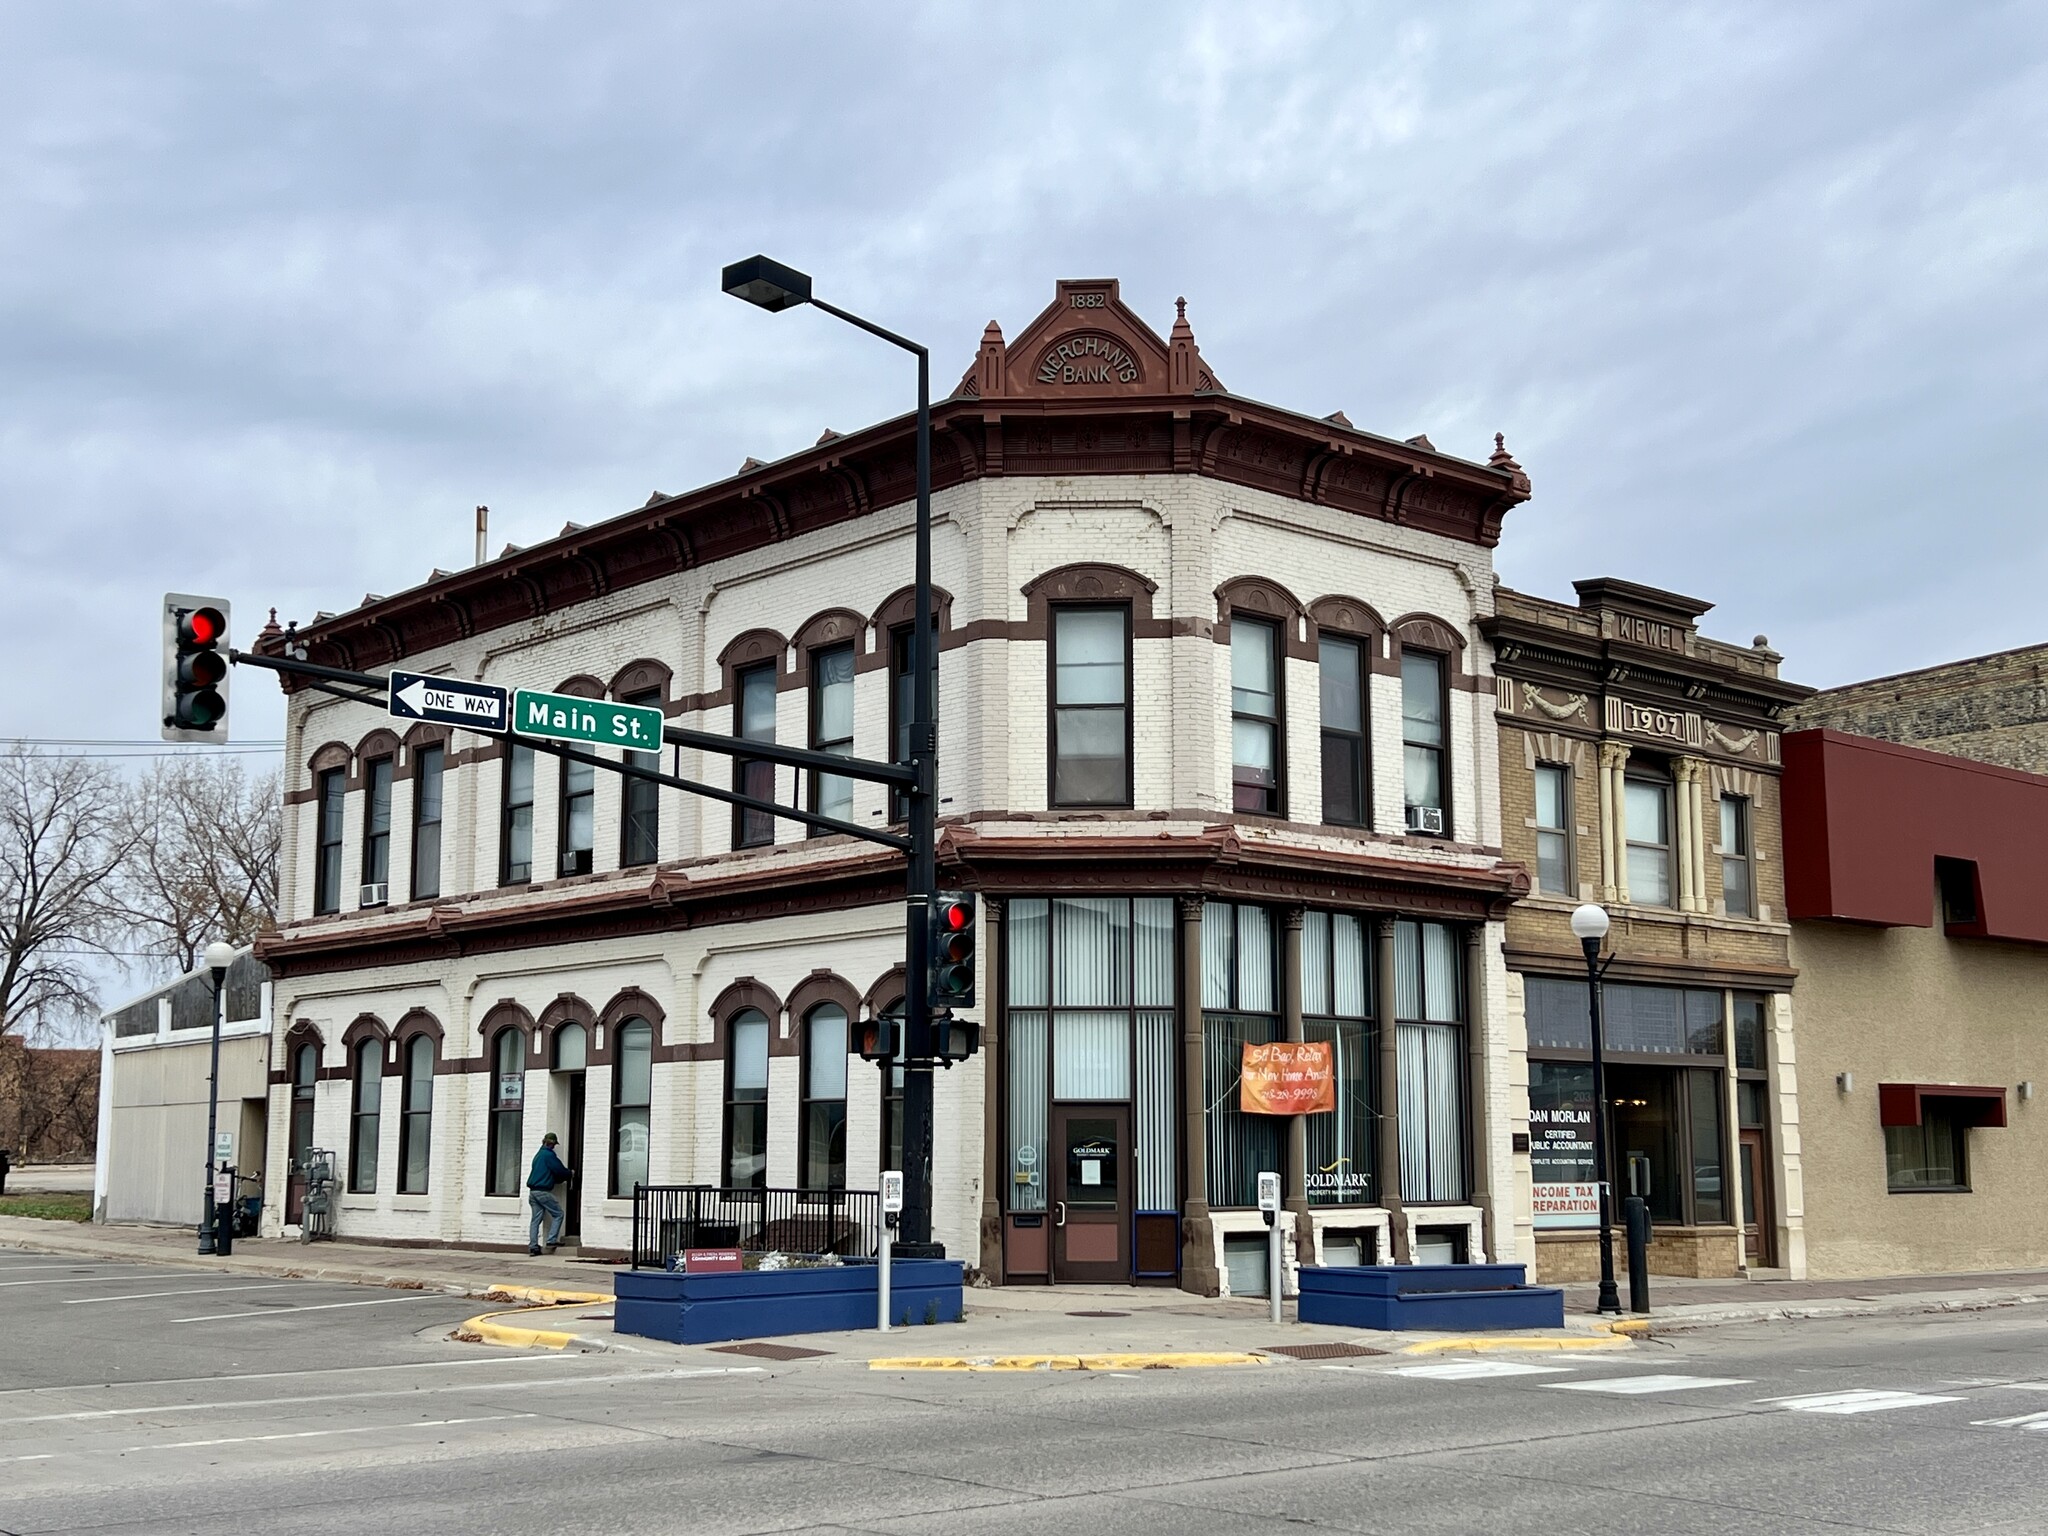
x,y
1429,1040
1336,1003
1240,1006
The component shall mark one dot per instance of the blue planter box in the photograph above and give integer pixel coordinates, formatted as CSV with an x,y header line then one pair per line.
x,y
1454,1298
766,1304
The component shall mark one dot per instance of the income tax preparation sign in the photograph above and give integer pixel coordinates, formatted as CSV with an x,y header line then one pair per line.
x,y
598,721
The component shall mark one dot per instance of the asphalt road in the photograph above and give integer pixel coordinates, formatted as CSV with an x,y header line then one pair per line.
x,y
309,1414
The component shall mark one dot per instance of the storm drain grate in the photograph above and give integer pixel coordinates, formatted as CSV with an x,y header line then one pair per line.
x,y
1323,1351
1098,1314
770,1351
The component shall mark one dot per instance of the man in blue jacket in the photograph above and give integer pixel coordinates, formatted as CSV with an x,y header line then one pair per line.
x,y
548,1170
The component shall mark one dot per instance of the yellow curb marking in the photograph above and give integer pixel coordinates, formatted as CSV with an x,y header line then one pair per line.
x,y
1131,1362
485,1329
541,1295
1481,1344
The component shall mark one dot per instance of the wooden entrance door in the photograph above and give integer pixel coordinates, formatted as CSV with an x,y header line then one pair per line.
x,y
1759,1227
1091,1192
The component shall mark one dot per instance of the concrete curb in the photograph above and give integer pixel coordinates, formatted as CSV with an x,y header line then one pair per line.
x,y
486,1329
1494,1343
1177,1360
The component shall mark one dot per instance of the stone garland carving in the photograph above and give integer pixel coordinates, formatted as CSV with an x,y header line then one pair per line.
x,y
1575,704
1737,742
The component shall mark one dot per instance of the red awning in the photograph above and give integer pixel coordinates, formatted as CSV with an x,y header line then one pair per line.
x,y
1906,1103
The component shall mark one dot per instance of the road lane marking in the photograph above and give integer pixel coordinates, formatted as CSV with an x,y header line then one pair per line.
x,y
2017,1421
506,1358
326,1306
175,1274
315,1434
1472,1370
1863,1401
1639,1386
211,1290
237,1404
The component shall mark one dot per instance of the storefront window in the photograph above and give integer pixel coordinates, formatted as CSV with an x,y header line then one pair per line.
x,y
1561,1145
1429,1041
1336,1004
1090,1020
1655,1021
1240,1007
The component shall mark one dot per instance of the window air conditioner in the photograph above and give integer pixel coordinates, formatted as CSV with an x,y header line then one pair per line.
x,y
575,861
1425,818
375,894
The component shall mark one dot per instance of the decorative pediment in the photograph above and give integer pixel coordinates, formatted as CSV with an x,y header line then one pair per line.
x,y
1086,343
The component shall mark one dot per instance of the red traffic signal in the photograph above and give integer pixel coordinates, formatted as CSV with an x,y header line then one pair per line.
x,y
950,952
195,673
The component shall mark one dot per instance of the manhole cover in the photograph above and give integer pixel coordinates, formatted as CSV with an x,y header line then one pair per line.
x,y
770,1351
1098,1314
1323,1351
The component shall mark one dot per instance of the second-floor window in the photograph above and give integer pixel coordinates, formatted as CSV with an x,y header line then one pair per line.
x,y
1255,715
832,728
1342,665
332,787
753,714
640,801
1647,817
1738,890
376,832
1553,829
515,833
1423,739
426,821
578,835
1091,716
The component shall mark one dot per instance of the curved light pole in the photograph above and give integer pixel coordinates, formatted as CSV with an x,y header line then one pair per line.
x,y
1589,926
774,287
219,956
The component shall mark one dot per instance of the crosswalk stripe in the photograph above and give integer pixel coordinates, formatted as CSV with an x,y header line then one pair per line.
x,y
1637,1386
1470,1370
2017,1421
1864,1401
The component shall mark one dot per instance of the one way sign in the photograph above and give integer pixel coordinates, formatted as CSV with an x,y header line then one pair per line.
x,y
450,701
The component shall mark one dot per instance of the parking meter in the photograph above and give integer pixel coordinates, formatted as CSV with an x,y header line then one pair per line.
x,y
892,1214
1269,1207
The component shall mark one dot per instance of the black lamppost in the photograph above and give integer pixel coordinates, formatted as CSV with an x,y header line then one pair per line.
x,y
775,287
1589,924
219,956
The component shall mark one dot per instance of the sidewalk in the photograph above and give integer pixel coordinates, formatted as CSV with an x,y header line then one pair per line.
x,y
1677,1303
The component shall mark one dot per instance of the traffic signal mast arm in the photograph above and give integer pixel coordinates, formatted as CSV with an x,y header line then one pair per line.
x,y
326,679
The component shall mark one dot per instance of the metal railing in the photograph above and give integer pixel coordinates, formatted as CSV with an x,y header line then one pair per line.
x,y
670,1218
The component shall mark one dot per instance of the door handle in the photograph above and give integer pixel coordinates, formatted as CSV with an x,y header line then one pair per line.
x,y
1060,1213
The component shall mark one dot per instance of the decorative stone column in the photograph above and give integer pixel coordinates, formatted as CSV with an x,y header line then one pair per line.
x,y
1701,776
993,1158
1688,832
1197,1239
1294,1180
1613,822
1478,1087
1389,1086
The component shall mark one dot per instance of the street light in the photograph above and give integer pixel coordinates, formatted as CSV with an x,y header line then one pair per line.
x,y
1589,925
774,287
219,956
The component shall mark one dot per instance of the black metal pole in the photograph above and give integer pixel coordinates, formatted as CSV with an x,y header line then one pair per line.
x,y
212,1112
1610,1298
922,881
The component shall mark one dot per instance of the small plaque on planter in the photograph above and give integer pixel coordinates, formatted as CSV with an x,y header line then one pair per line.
x,y
711,1261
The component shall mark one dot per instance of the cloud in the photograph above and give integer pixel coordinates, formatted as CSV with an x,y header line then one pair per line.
x,y
285,292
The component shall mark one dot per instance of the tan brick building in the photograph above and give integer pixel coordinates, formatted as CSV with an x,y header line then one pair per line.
x,y
1639,769
1991,708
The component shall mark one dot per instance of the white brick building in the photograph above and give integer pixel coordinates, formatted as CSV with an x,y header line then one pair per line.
x,y
1216,747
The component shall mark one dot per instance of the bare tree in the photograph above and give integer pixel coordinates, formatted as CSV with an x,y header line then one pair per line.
x,y
62,838
203,837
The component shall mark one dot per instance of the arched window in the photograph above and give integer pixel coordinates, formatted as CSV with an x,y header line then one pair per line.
x,y
508,1101
416,1120
632,1090
892,1098
746,1100
305,1074
822,1155
572,1048
364,1119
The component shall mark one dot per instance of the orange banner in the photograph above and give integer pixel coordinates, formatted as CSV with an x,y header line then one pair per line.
x,y
1287,1078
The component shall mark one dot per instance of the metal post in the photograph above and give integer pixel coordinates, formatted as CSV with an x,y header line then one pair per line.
x,y
1276,1281
923,870
1635,1220
1610,1298
882,1322
212,1110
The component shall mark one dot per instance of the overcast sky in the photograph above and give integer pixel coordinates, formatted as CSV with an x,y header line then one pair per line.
x,y
1756,293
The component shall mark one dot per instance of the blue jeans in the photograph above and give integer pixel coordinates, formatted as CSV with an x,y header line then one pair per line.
x,y
547,1206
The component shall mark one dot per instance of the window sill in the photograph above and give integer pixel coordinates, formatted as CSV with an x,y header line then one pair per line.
x,y
1929,1189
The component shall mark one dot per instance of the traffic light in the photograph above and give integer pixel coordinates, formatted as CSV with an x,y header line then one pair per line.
x,y
950,953
881,1039
953,1038
195,684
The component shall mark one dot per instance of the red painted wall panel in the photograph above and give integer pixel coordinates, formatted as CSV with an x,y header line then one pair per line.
x,y
1865,821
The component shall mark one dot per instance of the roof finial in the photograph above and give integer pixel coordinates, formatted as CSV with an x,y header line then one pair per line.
x,y
1180,309
1500,442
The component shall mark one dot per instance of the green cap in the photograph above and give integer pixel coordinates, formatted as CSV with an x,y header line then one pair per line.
x,y
549,1139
